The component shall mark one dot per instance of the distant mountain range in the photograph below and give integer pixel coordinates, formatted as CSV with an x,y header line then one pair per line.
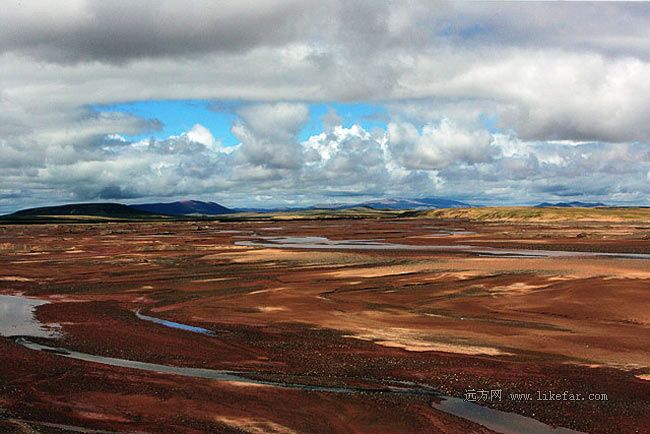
x,y
381,204
184,207
196,207
422,203
574,204
200,208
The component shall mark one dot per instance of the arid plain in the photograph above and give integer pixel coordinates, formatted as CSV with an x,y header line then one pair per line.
x,y
336,325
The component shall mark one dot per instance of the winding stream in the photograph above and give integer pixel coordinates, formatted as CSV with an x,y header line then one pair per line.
x,y
174,325
323,243
19,323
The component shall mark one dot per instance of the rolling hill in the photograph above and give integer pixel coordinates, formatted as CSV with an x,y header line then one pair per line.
x,y
82,211
534,214
184,207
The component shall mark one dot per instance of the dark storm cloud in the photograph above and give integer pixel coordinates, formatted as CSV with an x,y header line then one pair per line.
x,y
117,31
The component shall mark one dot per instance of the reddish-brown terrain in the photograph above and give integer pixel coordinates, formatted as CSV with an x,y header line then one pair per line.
x,y
360,318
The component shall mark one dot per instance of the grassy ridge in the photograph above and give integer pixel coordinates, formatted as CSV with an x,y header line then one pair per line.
x,y
531,214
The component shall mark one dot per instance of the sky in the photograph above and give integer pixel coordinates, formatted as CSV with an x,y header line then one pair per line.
x,y
292,103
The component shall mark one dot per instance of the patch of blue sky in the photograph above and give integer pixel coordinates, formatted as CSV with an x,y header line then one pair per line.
x,y
368,116
489,122
179,116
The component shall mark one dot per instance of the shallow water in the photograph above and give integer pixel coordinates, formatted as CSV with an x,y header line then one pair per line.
x,y
445,232
174,325
327,244
500,421
213,374
17,318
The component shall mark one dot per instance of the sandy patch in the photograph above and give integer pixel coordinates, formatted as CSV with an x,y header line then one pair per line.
x,y
261,255
268,309
254,426
564,268
517,288
267,290
235,383
630,275
216,279
380,271
229,247
16,279
101,416
443,347
455,275
409,340
645,377
275,255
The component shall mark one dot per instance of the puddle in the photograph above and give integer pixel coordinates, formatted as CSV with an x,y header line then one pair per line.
x,y
17,318
327,244
500,421
174,325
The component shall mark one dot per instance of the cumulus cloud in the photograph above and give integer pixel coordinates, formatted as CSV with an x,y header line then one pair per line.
x,y
346,163
438,146
563,86
202,135
268,134
347,159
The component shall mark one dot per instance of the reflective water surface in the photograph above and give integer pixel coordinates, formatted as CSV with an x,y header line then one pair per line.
x,y
17,318
174,325
499,421
323,243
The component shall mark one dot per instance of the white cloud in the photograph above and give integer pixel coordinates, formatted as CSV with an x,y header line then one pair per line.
x,y
268,134
439,145
565,83
201,134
